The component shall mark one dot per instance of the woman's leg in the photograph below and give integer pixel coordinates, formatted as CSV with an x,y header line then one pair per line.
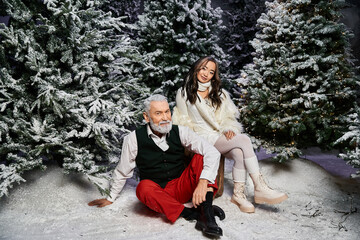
x,y
243,153
239,171
249,162
233,150
239,177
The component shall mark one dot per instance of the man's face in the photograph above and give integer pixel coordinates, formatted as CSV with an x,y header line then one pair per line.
x,y
159,116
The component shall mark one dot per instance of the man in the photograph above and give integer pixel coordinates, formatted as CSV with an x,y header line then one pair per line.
x,y
157,149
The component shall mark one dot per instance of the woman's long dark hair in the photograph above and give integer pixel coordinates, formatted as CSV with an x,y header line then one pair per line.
x,y
191,82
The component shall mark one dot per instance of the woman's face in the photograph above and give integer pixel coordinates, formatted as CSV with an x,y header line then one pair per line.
x,y
207,71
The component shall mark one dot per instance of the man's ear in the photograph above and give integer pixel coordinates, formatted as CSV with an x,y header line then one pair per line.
x,y
146,117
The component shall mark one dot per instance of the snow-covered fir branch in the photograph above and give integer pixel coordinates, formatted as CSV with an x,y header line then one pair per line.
x,y
69,91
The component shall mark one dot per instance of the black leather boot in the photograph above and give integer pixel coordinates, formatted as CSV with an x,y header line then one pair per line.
x,y
206,222
191,214
219,212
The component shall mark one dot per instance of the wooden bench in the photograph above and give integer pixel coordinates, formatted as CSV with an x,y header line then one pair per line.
x,y
220,177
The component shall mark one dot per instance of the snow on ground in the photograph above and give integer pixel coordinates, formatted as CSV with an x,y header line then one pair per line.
x,y
51,205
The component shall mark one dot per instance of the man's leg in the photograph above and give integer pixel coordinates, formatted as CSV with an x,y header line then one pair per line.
x,y
154,197
169,200
182,188
206,222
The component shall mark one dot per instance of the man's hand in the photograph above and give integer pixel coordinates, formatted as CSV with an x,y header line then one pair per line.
x,y
100,202
199,195
229,135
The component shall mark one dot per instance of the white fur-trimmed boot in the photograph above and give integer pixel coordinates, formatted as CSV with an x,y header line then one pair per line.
x,y
263,193
239,198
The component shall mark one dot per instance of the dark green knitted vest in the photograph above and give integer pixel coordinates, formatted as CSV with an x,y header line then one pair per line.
x,y
158,165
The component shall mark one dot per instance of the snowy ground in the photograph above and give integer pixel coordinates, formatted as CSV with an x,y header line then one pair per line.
x,y
54,206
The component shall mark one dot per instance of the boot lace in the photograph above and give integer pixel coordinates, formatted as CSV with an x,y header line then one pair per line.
x,y
240,191
263,183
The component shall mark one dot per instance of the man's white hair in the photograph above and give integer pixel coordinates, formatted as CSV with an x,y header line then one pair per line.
x,y
153,98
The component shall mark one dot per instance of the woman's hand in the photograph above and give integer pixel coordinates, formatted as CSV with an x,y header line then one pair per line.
x,y
229,135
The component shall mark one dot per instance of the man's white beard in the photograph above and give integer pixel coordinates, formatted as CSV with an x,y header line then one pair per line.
x,y
161,129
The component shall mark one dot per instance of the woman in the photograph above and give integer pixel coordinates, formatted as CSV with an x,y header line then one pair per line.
x,y
203,106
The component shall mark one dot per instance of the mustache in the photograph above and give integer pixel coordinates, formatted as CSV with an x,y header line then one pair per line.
x,y
163,122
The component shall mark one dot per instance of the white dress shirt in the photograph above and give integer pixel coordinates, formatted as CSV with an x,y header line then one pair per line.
x,y
189,140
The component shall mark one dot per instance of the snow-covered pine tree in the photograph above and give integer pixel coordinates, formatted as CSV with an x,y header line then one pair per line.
x,y
67,92
352,139
123,8
127,10
240,18
173,34
302,79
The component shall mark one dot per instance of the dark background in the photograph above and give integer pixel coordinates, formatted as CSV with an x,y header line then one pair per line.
x,y
351,18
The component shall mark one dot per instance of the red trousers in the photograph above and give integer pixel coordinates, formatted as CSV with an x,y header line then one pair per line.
x,y
169,200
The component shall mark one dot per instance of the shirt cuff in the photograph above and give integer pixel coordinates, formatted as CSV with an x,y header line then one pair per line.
x,y
207,175
112,197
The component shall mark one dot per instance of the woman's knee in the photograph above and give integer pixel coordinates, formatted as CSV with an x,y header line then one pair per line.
x,y
234,152
242,139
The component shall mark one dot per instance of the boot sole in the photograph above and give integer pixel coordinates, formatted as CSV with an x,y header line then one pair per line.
x,y
201,227
260,200
243,209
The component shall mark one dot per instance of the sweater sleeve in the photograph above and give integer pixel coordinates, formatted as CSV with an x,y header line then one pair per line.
x,y
228,115
180,113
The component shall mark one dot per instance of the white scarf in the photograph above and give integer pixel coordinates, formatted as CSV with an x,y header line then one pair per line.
x,y
203,86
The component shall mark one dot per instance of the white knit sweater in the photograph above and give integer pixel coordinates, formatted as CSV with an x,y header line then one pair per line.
x,y
204,119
